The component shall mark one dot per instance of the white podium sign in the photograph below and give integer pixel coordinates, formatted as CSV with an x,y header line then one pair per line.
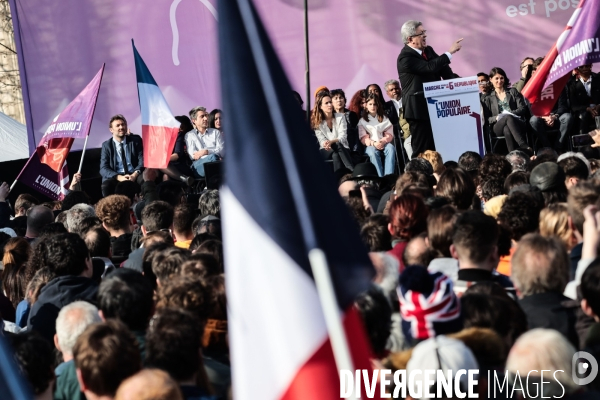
x,y
455,115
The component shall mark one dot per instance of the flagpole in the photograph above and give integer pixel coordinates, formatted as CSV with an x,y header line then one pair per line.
x,y
331,312
20,173
316,255
306,61
83,152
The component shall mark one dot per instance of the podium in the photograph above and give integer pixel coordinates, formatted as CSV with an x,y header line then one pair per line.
x,y
455,114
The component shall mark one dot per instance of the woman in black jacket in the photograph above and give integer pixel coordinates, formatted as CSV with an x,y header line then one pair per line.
x,y
504,110
338,99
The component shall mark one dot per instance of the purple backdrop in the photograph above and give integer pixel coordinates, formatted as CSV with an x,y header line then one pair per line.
x,y
352,43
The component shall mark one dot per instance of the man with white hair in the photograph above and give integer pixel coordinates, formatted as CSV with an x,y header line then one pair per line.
x,y
418,64
537,350
395,113
76,215
72,320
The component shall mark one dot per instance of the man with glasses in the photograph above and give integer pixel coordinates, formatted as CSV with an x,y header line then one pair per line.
x,y
418,64
584,94
526,67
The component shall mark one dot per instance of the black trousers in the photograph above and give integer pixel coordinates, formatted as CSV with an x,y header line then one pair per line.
x,y
422,136
513,130
109,185
340,155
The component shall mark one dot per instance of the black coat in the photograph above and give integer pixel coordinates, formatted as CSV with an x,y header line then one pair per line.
x,y
552,311
58,293
134,148
515,101
413,71
579,97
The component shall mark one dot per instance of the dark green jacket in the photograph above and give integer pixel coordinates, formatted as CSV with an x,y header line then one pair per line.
x,y
67,386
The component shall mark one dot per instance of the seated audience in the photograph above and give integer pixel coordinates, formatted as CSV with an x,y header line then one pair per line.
x,y
204,144
121,146
331,130
584,97
504,109
376,132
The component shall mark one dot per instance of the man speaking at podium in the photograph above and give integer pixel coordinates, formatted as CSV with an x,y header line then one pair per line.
x,y
417,64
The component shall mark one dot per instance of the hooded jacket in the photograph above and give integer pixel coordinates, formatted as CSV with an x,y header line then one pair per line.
x,y
55,295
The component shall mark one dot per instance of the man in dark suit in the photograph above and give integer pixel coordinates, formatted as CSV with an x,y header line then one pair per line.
x,y
584,94
418,64
120,146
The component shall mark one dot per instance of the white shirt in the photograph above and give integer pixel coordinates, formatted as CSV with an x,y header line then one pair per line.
x,y
587,85
398,105
120,169
374,129
421,52
212,140
339,130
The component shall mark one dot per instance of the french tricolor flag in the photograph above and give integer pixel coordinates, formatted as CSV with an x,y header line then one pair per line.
x,y
159,126
280,204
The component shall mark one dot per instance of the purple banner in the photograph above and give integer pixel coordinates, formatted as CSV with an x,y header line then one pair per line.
x,y
75,120
352,43
44,179
579,45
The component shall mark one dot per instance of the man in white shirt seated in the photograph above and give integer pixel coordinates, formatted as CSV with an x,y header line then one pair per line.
x,y
204,144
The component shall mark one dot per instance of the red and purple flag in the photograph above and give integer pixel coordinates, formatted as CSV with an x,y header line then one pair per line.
x,y
46,171
159,126
579,44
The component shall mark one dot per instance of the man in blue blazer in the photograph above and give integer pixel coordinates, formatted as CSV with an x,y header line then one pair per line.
x,y
120,146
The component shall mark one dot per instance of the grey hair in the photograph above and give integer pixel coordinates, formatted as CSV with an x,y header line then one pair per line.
x,y
519,161
409,28
391,82
194,112
209,203
72,320
577,155
76,215
540,265
544,349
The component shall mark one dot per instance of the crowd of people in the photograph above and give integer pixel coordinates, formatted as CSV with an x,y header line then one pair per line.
x,y
487,263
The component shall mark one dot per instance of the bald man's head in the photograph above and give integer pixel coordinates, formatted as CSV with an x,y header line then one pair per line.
x,y
149,384
37,218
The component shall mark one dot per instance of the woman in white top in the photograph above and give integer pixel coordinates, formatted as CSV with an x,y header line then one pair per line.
x,y
331,131
376,132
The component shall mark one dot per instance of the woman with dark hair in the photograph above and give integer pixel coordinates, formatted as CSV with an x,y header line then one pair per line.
x,y
16,254
408,218
504,109
376,132
178,169
331,131
338,99
214,120
358,102
374,88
